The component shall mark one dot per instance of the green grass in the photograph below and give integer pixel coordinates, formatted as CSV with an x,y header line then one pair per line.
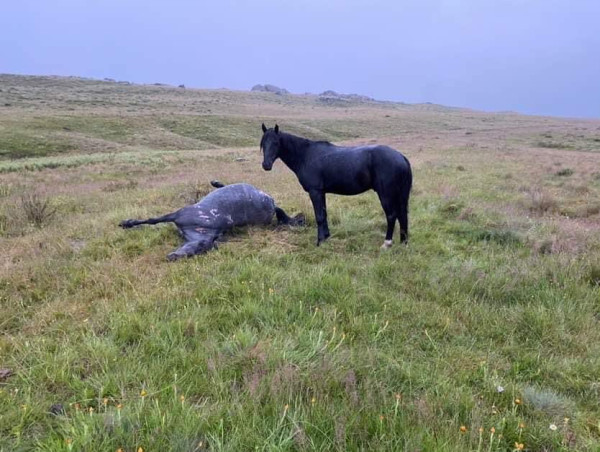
x,y
271,343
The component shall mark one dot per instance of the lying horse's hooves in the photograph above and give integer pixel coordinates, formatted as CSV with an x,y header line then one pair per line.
x,y
126,224
217,184
172,257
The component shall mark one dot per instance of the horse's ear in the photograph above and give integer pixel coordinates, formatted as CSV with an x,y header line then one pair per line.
x,y
264,127
276,128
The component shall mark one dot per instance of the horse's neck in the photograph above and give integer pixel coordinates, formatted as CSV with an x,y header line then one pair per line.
x,y
294,151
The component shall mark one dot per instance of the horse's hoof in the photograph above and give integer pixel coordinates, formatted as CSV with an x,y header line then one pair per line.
x,y
387,244
172,257
125,224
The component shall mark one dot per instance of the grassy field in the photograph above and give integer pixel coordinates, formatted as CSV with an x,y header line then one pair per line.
x,y
481,335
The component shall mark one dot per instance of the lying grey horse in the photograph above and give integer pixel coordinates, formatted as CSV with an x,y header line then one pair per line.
x,y
201,224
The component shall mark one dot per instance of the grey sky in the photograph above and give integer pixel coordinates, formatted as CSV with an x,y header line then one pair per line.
x,y
532,56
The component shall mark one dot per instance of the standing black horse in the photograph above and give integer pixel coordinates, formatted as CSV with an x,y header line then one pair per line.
x,y
322,167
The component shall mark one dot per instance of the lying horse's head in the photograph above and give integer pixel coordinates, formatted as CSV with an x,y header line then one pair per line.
x,y
270,145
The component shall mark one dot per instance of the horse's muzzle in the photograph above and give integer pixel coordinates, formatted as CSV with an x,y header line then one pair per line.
x,y
267,166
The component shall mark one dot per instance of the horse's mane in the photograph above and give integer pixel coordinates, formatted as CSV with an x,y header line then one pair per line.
x,y
323,142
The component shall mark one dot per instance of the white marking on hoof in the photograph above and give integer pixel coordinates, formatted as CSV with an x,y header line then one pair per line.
x,y
386,244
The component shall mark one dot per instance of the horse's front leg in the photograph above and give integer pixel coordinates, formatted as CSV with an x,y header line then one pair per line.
x,y
318,202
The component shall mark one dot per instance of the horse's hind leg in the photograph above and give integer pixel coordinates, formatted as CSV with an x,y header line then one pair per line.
x,y
403,220
320,208
391,214
126,224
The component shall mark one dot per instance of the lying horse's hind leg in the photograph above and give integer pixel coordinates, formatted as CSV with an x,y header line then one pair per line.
x,y
126,224
187,250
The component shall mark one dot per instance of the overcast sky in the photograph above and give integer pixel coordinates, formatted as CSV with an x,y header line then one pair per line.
x,y
531,56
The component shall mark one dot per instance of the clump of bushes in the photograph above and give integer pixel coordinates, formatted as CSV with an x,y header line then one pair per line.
x,y
541,202
38,209
564,172
194,192
118,186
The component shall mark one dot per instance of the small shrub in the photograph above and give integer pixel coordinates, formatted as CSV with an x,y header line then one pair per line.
x,y
39,210
564,172
118,186
541,202
194,192
547,401
3,224
5,190
466,214
584,211
552,145
544,247
593,276
451,208
497,236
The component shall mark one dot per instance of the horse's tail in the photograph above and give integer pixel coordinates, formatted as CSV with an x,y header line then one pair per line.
x,y
406,181
217,184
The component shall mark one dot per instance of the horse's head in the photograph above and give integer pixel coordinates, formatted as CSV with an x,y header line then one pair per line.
x,y
270,145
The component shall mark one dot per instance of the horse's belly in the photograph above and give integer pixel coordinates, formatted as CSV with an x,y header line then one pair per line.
x,y
347,183
348,190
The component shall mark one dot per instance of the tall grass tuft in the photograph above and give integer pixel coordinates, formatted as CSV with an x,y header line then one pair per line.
x,y
39,210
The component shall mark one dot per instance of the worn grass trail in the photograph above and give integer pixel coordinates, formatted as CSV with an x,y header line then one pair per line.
x,y
488,319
